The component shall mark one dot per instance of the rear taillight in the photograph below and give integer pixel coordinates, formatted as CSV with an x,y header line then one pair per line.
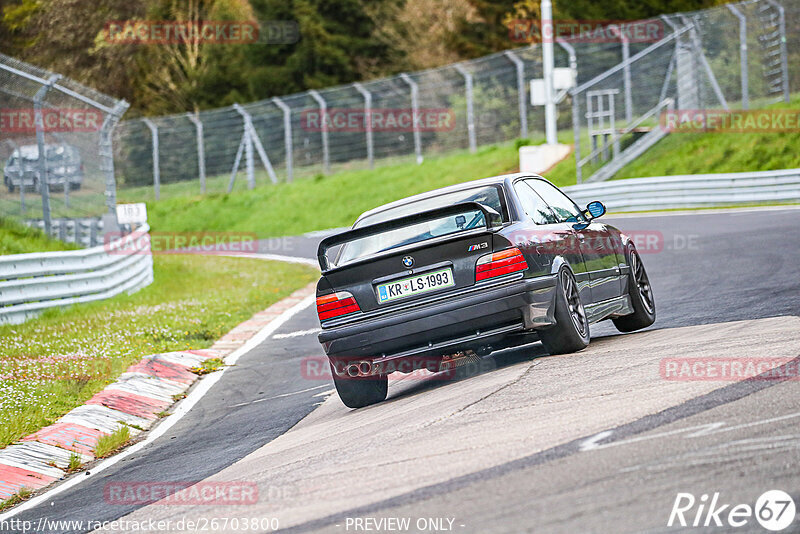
x,y
335,305
500,263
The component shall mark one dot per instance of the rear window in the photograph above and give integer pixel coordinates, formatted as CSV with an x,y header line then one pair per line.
x,y
409,235
486,196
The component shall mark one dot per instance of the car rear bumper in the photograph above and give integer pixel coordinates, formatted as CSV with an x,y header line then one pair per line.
x,y
457,323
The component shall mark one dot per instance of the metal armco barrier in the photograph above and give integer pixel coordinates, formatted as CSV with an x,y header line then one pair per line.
x,y
691,191
31,283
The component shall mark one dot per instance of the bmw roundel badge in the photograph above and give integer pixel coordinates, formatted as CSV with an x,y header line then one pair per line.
x,y
408,261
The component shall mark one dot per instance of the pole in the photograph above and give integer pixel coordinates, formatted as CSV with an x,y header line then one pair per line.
x,y
40,144
107,153
742,54
367,122
523,110
576,110
201,151
156,171
547,65
473,145
414,114
323,106
287,137
626,74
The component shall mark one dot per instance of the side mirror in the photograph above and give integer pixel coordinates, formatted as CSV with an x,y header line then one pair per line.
x,y
595,209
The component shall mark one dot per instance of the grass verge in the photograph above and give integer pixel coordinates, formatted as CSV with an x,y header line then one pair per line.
x,y
16,238
323,202
56,362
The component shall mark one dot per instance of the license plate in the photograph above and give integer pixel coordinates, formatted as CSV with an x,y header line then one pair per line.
x,y
415,285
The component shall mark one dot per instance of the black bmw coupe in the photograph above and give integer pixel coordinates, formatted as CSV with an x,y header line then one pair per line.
x,y
451,275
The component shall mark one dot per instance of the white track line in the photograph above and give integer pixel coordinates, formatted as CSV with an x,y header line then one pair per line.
x,y
203,386
701,211
278,396
297,334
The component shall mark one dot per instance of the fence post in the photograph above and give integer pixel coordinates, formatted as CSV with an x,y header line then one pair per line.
x,y
247,139
626,74
576,109
201,149
39,123
323,106
414,114
287,137
523,110
742,54
784,58
107,153
156,171
698,48
367,122
473,146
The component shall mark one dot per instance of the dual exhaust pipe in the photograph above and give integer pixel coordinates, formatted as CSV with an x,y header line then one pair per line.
x,y
356,369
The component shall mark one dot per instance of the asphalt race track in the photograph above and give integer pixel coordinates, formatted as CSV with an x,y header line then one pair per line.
x,y
596,441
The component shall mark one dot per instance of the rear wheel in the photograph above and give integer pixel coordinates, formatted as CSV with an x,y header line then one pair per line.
x,y
571,331
641,294
357,392
10,187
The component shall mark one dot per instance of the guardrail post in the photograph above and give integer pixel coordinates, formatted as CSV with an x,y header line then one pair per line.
x,y
201,149
523,110
106,153
40,144
367,122
414,114
784,58
473,145
287,137
156,171
742,54
323,106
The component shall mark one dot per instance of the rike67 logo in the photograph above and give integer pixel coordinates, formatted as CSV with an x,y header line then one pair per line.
x,y
774,510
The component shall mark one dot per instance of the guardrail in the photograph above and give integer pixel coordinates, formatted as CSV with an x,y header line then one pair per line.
x,y
691,191
31,283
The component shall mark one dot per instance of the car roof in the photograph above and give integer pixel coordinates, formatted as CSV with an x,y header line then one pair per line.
x,y
493,180
32,151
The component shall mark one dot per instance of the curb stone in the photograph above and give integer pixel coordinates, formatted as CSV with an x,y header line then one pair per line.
x,y
145,389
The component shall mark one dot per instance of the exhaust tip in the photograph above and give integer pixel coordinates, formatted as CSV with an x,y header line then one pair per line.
x,y
365,368
352,370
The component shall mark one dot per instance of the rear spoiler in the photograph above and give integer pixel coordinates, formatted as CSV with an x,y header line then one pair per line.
x,y
490,217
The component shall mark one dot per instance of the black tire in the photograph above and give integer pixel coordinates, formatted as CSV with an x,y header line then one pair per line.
x,y
361,391
641,294
10,187
571,331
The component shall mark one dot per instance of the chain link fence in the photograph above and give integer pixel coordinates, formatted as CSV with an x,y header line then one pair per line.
x,y
56,151
726,57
